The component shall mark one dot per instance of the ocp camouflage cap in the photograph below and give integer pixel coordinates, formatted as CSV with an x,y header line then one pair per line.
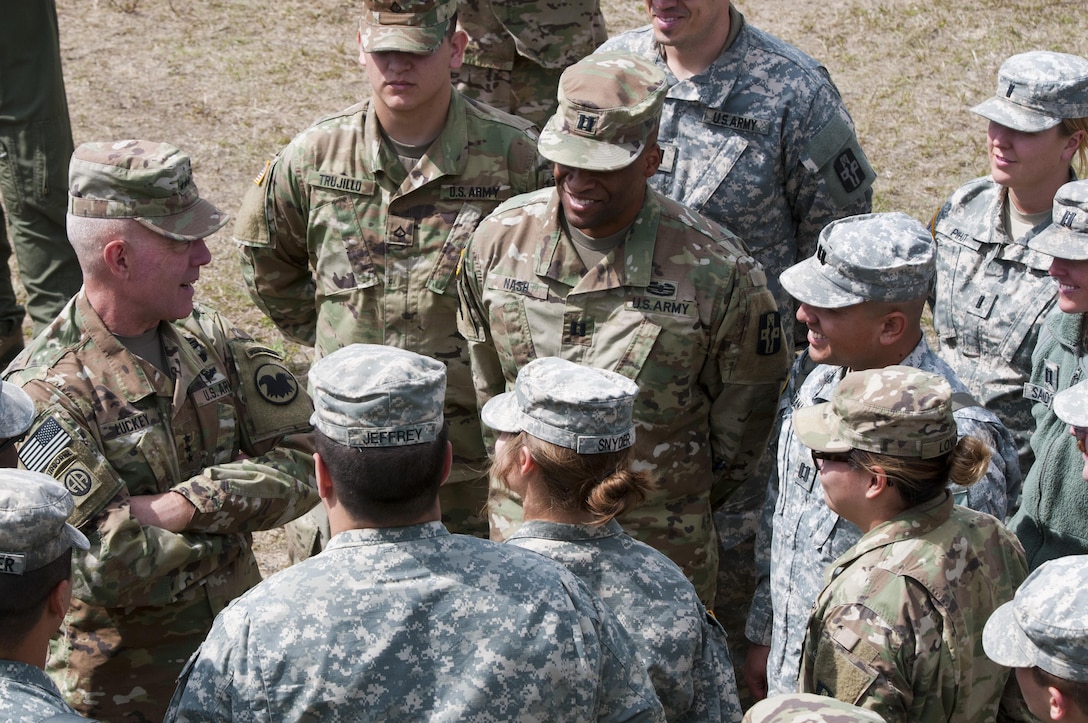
x,y
371,395
1045,625
406,26
609,104
16,410
808,708
1071,405
1037,90
34,531
897,410
148,182
582,408
1067,236
870,257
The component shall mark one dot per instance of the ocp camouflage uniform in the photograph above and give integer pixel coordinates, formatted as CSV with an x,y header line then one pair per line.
x,y
898,628
27,694
680,308
341,245
110,425
517,49
413,623
683,648
800,536
990,298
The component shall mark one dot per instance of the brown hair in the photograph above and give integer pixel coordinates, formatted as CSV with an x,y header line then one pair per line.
x,y
920,480
602,484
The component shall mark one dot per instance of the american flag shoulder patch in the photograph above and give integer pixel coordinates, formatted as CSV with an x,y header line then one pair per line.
x,y
39,449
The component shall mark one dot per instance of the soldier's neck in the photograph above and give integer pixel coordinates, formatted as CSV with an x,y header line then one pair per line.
x,y
419,126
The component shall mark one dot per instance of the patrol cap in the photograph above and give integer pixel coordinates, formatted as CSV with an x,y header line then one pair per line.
x,y
577,407
896,410
371,395
1067,237
1045,625
1037,90
407,26
1071,405
871,257
34,531
16,410
609,104
809,708
151,183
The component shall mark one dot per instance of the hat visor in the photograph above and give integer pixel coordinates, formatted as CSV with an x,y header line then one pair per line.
x,y
1060,242
415,40
1068,406
1004,642
18,410
579,152
502,414
77,538
807,283
817,428
1014,116
198,221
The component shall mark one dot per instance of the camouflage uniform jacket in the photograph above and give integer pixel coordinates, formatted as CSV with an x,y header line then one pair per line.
x,y
28,695
552,35
413,623
341,245
799,535
683,648
762,143
991,296
680,308
1053,517
898,628
109,425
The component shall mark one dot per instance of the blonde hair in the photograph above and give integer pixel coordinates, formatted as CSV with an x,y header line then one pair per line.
x,y
601,484
1080,159
920,480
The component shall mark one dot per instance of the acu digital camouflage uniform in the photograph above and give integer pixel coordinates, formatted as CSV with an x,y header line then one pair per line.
x,y
517,50
808,708
799,535
992,291
340,244
898,627
683,648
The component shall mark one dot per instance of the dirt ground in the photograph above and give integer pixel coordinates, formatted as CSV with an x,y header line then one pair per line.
x,y
231,81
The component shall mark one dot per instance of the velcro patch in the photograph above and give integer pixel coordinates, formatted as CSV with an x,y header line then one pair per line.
x,y
735,122
12,563
39,449
275,383
770,334
1038,394
332,182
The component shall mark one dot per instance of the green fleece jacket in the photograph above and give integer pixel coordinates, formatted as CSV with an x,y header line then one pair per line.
x,y
1053,517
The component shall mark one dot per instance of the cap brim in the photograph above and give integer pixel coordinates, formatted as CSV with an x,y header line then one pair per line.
x,y
817,428
77,538
1069,407
415,40
579,152
1004,642
1060,242
805,282
198,221
502,414
18,408
1014,116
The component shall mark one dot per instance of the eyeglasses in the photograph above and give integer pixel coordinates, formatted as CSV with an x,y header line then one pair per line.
x,y
818,457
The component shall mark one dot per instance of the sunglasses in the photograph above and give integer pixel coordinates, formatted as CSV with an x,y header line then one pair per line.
x,y
818,457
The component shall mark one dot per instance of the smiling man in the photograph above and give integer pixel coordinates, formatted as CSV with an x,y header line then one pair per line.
x,y
174,432
354,232
605,272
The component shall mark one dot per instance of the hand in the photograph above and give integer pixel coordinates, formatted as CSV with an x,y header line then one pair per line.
x,y
755,670
169,511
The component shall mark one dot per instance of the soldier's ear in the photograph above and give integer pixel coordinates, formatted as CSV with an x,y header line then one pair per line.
x,y
324,479
117,256
362,53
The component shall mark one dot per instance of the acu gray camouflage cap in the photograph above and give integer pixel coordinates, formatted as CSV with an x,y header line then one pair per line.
x,y
151,183
1067,237
899,411
34,531
578,407
870,257
1071,405
371,395
16,410
1045,625
808,708
406,26
1037,90
609,104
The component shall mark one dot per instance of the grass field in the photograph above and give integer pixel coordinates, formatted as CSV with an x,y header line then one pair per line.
x,y
231,81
